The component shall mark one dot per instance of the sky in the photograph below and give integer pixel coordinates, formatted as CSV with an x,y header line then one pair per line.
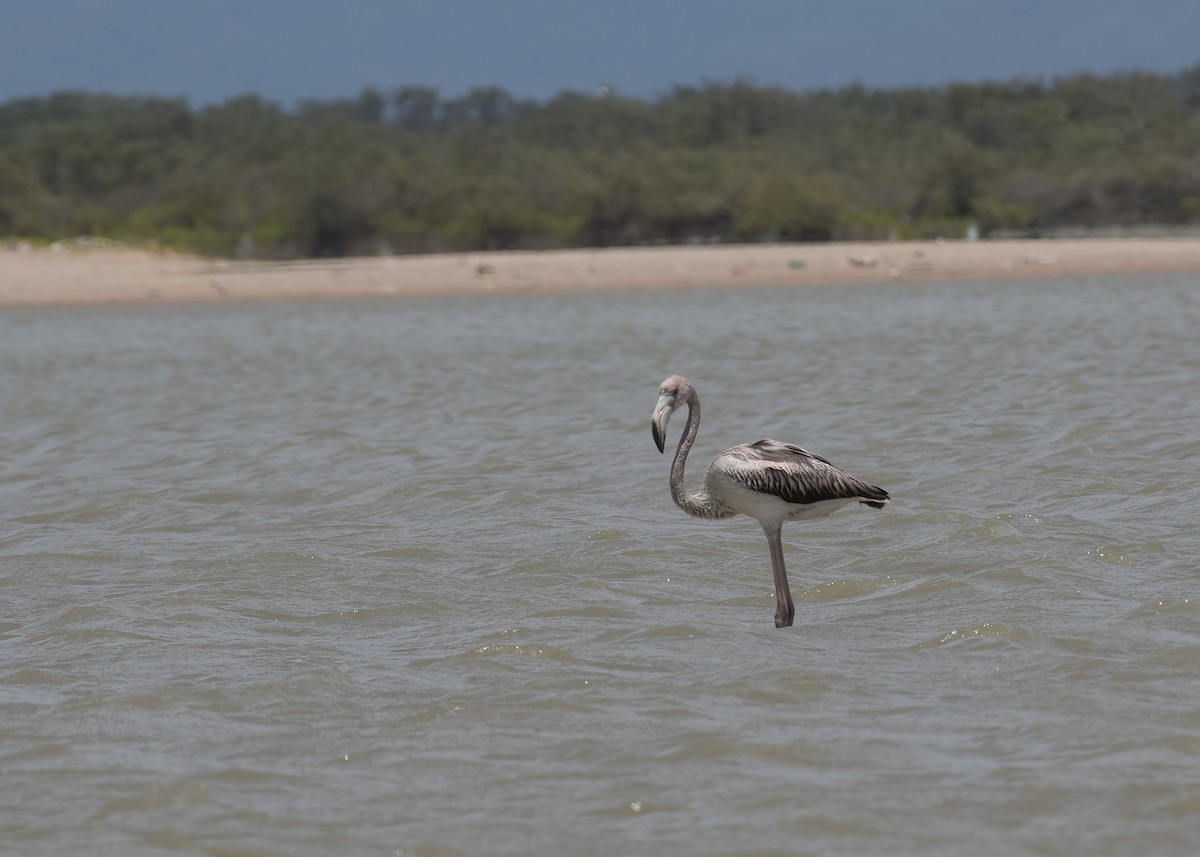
x,y
289,50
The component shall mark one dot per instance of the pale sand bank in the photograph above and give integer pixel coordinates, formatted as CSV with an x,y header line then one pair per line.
x,y
69,275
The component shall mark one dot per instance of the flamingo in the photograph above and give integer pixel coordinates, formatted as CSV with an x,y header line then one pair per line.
x,y
769,481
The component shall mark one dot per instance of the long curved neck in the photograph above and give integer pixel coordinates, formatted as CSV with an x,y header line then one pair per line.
x,y
703,504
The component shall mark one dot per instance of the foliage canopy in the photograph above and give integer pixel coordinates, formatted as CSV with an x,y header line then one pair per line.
x,y
412,171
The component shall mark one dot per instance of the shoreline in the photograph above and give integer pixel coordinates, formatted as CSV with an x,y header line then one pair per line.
x,y
67,274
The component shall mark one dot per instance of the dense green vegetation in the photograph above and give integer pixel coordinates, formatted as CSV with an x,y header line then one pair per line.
x,y
411,171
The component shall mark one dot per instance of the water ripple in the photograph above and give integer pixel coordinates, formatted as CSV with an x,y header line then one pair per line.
x,y
405,577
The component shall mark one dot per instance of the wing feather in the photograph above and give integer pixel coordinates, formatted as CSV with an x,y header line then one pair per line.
x,y
795,475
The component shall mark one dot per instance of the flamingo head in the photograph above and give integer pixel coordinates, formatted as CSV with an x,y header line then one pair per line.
x,y
673,394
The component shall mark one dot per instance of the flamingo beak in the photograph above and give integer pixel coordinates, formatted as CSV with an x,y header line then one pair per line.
x,y
658,421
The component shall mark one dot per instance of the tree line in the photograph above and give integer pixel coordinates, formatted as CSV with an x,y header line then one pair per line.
x,y
410,170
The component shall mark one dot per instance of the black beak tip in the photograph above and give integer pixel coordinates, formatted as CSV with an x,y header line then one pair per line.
x,y
658,438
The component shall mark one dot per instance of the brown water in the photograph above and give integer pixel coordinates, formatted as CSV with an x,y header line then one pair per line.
x,y
404,577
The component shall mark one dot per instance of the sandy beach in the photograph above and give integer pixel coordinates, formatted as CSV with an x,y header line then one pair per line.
x,y
81,273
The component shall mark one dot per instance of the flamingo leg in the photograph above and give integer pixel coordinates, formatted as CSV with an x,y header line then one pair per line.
x,y
784,609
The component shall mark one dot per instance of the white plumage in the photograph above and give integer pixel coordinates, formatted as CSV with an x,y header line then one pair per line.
x,y
769,481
